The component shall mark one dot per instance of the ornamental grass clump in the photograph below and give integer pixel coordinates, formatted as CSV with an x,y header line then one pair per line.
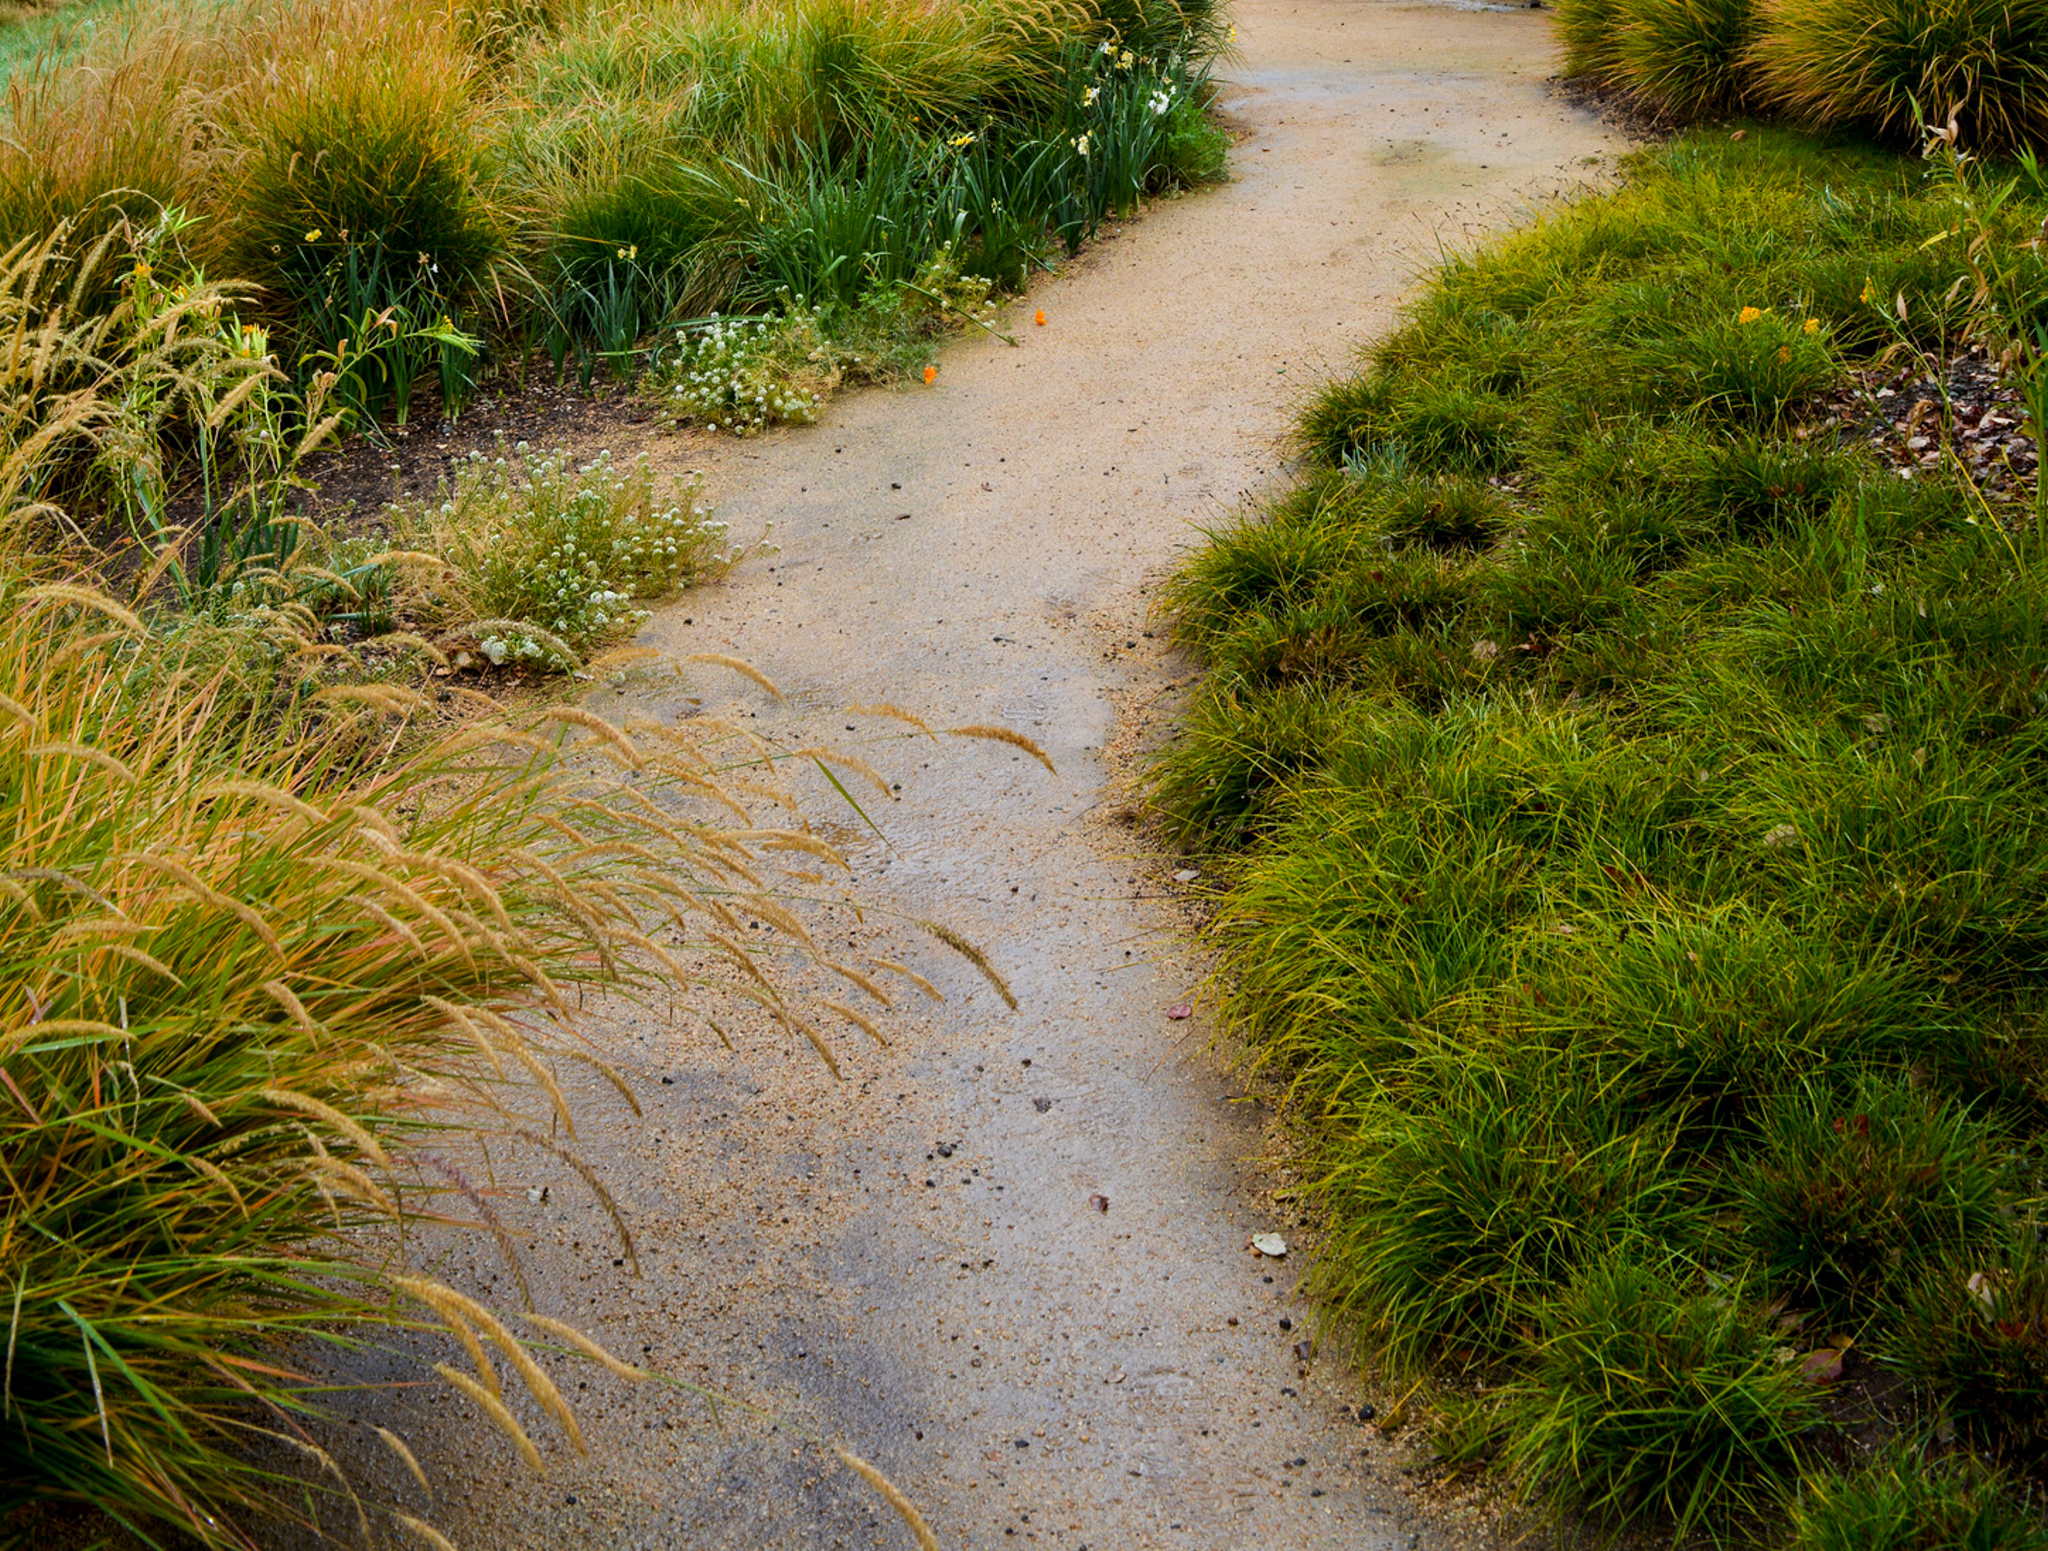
x,y
420,191
1895,67
1590,31
289,959
261,979
360,178
1892,68
1685,57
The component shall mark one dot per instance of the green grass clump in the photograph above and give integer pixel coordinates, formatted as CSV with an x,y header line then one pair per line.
x,y
1466,1204
1636,799
1844,1189
1652,1392
1974,1332
1902,1503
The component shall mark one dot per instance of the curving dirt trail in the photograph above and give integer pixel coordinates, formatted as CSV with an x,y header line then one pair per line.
x,y
1029,1367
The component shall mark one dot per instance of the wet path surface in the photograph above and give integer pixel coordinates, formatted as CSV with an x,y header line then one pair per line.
x,y
917,1259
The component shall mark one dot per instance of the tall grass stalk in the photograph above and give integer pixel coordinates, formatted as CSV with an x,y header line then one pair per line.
x,y
261,974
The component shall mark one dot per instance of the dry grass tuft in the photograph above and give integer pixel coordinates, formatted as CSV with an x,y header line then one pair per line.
x,y
1016,740
229,915
745,670
973,955
893,1495
896,713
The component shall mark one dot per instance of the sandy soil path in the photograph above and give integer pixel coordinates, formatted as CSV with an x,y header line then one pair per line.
x,y
1030,1367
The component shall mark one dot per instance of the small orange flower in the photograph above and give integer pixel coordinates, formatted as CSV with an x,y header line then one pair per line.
x,y
930,375
1813,325
1750,315
1784,355
1040,319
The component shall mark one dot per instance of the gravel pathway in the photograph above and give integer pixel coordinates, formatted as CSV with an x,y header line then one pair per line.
x,y
1006,1258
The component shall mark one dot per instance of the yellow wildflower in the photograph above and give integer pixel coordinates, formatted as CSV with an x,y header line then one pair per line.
x,y
1750,315
313,235
1813,325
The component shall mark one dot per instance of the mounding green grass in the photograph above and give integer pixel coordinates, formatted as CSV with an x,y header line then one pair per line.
x,y
1630,797
1900,1502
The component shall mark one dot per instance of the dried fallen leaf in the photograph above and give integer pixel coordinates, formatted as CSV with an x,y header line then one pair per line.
x,y
1821,1367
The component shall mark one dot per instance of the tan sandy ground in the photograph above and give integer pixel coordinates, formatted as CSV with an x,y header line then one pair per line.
x,y
1030,1368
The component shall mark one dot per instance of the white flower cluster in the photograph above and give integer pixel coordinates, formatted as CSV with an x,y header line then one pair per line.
x,y
570,549
520,648
728,375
